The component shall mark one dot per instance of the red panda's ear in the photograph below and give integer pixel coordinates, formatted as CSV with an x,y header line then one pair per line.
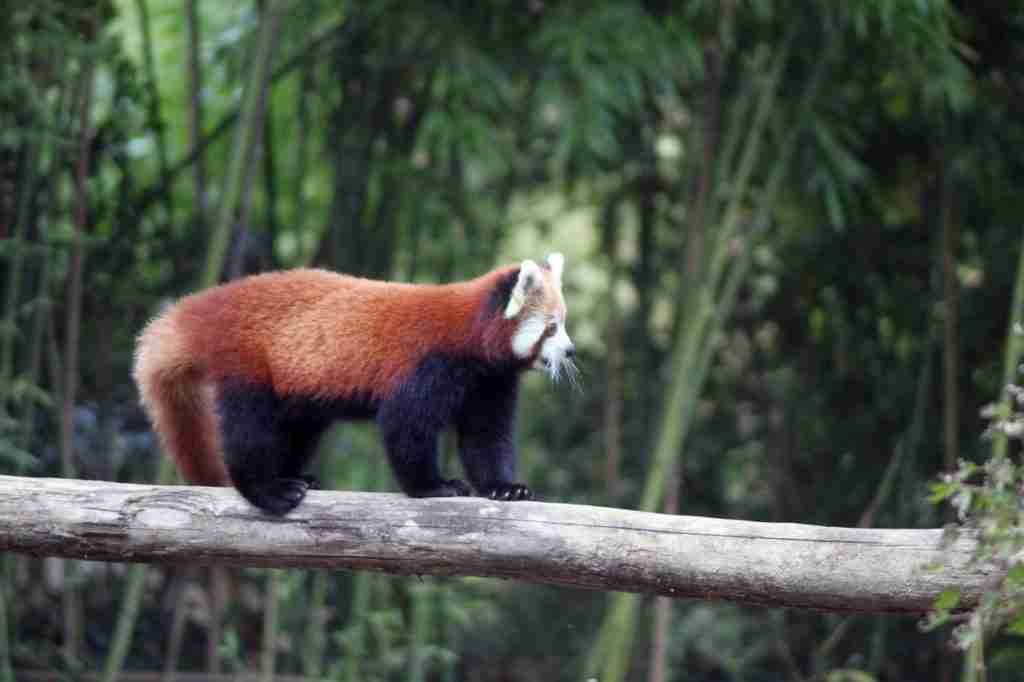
x,y
556,263
529,279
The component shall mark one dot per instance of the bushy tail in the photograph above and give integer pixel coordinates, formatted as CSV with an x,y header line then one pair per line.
x,y
179,405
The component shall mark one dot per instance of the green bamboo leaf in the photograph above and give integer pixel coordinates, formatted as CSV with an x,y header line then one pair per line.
x,y
15,458
941,491
947,600
1015,576
850,676
24,391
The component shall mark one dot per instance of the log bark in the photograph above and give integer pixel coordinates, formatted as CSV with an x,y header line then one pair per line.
x,y
770,564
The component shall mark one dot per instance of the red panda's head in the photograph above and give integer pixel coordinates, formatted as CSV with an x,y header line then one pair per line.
x,y
537,307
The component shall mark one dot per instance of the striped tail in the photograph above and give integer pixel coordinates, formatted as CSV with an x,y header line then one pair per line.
x,y
179,403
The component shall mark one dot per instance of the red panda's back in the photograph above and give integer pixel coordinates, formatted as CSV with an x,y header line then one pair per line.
x,y
314,332
230,329
365,337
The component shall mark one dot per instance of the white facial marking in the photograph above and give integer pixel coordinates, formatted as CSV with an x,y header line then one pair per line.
x,y
556,262
555,355
554,348
540,333
529,279
527,335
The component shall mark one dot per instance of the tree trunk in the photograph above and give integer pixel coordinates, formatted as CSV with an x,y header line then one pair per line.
x,y
600,548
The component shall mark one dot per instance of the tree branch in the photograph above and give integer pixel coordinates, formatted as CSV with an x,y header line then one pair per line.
x,y
770,564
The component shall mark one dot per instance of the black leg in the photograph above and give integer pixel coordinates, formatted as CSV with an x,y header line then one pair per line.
x,y
257,448
486,430
411,420
303,435
412,451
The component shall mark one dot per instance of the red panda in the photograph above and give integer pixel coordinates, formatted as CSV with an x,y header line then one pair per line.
x,y
241,380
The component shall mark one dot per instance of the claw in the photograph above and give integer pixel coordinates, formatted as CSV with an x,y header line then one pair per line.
x,y
508,492
278,496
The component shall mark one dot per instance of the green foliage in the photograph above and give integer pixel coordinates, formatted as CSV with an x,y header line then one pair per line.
x,y
989,502
428,141
13,458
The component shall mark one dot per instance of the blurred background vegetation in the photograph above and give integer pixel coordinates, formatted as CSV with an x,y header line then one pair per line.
x,y
793,233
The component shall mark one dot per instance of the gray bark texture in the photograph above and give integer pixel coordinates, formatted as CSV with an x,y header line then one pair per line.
x,y
599,548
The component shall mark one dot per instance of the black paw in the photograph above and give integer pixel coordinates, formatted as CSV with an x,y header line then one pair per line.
x,y
448,488
279,496
507,491
312,481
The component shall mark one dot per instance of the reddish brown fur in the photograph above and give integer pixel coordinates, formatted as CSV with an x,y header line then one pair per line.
x,y
302,332
179,403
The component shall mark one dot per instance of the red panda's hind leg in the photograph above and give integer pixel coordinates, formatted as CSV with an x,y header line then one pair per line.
x,y
265,448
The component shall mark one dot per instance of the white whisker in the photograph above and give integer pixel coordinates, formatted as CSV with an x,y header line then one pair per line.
x,y
565,367
572,373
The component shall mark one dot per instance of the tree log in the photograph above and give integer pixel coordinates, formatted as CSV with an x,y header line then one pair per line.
x,y
600,548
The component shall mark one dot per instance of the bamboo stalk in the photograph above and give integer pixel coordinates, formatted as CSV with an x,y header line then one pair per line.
x,y
658,670
950,322
153,106
8,620
195,111
122,637
694,332
908,443
300,162
315,636
71,604
362,590
694,349
270,179
177,633
446,597
64,111
1012,356
8,340
615,355
271,608
420,616
315,640
135,578
228,122
245,135
6,671
8,328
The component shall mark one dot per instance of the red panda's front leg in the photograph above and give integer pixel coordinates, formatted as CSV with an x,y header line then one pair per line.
x,y
413,417
486,432
411,444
